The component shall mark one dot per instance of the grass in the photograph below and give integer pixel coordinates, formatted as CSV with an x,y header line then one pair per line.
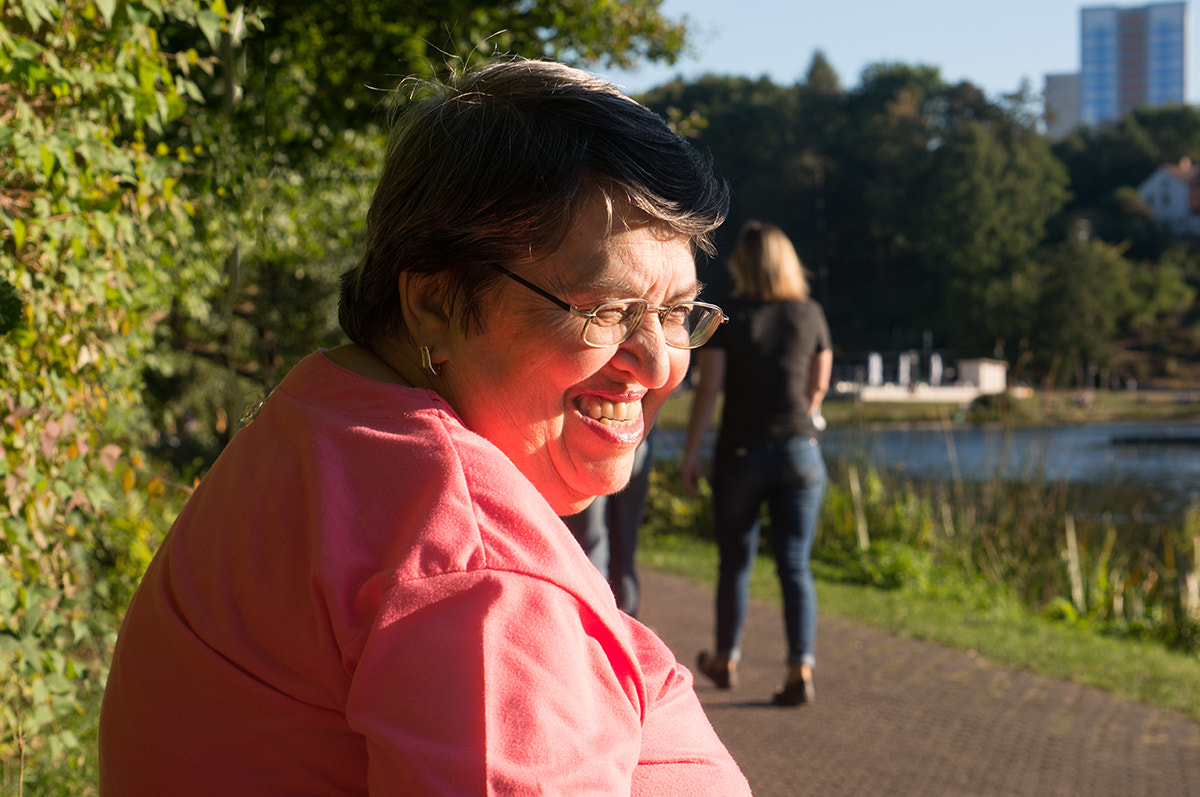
x,y
1009,636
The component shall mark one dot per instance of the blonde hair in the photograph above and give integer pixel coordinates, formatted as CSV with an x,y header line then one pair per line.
x,y
765,266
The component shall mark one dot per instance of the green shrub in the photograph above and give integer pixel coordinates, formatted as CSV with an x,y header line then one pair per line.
x,y
85,201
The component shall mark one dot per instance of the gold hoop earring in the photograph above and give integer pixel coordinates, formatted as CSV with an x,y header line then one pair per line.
x,y
427,362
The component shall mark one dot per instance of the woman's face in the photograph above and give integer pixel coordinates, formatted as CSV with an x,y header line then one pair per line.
x,y
570,416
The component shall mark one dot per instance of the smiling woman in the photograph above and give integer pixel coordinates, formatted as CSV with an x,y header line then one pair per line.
x,y
371,591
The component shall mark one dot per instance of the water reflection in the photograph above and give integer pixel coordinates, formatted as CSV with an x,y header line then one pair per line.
x,y
1157,475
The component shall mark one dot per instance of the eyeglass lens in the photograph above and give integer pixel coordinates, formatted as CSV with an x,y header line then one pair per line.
x,y
685,326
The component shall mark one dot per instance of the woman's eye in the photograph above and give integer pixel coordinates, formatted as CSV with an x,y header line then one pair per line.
x,y
678,315
611,315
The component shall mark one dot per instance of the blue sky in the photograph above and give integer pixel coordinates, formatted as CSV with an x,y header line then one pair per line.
x,y
992,43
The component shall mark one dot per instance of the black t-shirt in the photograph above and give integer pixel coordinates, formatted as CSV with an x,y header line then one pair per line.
x,y
769,350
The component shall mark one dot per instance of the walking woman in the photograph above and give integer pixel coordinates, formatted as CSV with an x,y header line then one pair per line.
x,y
773,360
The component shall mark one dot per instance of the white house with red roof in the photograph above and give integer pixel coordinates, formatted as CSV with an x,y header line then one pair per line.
x,y
1172,194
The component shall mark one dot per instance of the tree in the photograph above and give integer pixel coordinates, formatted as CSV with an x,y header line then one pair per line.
x,y
1163,292
1102,159
908,198
927,208
821,78
318,69
993,187
751,130
882,293
1085,293
1105,165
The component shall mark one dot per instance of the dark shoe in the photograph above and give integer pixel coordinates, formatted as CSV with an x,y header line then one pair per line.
x,y
722,673
797,690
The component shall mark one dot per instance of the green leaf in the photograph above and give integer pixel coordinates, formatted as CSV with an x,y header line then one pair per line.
x,y
25,50
210,25
107,9
48,163
24,336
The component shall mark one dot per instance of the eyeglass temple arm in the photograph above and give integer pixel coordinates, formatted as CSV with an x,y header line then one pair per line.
x,y
572,308
568,307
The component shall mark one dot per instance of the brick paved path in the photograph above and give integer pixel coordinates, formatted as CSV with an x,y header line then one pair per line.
x,y
902,717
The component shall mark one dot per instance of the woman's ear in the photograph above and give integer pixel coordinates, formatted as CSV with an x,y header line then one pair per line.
x,y
426,314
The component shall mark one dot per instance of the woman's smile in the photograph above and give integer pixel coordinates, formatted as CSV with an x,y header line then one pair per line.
x,y
611,413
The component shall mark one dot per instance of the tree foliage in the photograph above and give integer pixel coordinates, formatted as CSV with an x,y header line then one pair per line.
x,y
295,136
1126,152
927,211
993,189
318,69
86,195
1085,291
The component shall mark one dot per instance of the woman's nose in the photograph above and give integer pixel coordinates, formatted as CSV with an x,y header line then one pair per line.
x,y
646,354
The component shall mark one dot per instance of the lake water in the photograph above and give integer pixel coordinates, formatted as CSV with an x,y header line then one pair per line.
x,y
1158,475
1151,481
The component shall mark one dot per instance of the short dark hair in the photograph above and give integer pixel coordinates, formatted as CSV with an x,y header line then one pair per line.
x,y
494,165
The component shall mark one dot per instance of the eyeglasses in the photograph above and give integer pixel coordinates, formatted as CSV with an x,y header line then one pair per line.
x,y
686,325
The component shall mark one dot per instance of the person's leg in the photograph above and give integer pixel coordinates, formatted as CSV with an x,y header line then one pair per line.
x,y
590,530
624,512
795,507
737,498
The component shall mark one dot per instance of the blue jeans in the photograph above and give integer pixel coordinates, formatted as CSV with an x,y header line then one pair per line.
x,y
790,477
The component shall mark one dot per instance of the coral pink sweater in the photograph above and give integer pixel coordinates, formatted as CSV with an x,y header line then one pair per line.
x,y
364,597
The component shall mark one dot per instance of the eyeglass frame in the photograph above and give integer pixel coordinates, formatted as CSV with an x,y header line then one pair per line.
x,y
590,315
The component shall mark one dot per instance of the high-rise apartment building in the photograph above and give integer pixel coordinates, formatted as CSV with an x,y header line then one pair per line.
x,y
1131,57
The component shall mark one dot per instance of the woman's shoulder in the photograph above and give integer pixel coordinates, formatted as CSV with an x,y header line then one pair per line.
x,y
458,496
800,309
810,306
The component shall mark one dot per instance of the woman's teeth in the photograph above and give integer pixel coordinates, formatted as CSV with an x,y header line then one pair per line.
x,y
613,413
